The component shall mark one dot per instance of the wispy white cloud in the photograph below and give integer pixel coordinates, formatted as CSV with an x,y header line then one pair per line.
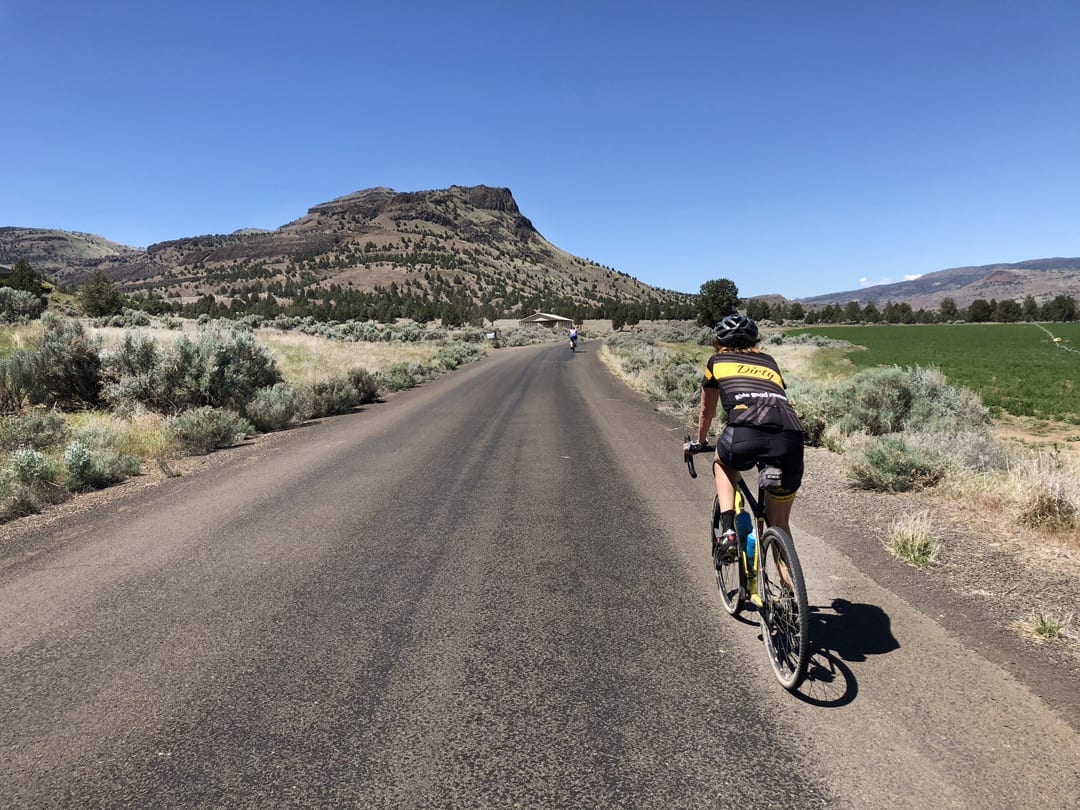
x,y
913,277
865,282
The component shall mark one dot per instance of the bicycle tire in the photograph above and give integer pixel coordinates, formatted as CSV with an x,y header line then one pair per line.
x,y
730,577
784,615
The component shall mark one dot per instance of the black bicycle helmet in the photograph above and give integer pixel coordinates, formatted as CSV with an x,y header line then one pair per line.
x,y
736,331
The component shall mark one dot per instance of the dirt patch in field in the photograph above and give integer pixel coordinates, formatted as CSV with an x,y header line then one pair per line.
x,y
1041,434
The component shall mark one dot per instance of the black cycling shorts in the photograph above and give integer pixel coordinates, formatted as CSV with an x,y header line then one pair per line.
x,y
743,447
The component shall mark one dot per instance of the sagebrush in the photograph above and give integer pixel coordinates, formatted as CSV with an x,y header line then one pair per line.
x,y
202,430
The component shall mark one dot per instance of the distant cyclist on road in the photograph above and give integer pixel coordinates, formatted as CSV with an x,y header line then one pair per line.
x,y
573,338
761,424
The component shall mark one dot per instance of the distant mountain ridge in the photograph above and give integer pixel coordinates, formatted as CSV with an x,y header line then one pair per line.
x,y
467,242
1043,279
470,243
47,248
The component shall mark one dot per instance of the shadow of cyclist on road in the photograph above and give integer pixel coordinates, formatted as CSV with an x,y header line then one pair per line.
x,y
848,632
854,631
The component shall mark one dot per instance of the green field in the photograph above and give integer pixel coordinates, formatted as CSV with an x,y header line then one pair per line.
x,y
1016,367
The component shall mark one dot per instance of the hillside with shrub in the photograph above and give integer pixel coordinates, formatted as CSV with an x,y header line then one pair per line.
x,y
460,255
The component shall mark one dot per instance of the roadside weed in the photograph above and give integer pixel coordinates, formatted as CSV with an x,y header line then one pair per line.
x,y
38,429
148,441
203,430
910,540
30,466
275,407
1047,492
893,463
139,435
1044,627
183,388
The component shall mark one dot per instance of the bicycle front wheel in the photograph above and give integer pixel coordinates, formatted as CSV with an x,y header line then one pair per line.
x,y
784,613
730,579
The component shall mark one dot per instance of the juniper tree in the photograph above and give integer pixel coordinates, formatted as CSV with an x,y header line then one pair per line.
x,y
717,299
99,297
25,277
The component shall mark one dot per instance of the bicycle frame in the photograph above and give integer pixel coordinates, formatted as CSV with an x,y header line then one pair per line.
x,y
751,567
771,580
743,498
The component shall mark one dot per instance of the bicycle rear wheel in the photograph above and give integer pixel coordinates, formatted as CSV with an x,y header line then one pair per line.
x,y
730,578
784,614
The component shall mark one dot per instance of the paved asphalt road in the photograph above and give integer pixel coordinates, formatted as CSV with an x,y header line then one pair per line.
x,y
491,591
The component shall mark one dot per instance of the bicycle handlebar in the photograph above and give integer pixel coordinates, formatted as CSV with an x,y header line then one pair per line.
x,y
689,449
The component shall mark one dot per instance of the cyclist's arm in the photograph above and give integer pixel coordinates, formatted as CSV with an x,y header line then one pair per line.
x,y
709,397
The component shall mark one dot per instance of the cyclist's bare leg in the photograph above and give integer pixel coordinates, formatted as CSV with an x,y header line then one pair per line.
x,y
778,512
725,484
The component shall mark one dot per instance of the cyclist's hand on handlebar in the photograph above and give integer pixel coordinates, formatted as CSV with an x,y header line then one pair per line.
x,y
689,448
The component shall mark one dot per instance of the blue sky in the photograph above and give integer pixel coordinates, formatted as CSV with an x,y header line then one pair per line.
x,y
793,147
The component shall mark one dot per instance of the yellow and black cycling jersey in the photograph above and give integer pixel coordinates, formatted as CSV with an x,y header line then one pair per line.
x,y
751,390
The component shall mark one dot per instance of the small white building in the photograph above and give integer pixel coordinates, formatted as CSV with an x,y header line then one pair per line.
x,y
546,320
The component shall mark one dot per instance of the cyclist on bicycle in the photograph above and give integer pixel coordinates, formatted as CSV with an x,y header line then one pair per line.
x,y
573,338
762,426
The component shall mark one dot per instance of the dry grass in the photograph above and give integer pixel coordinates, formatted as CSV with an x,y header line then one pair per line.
x,y
1044,490
305,358
301,357
1039,492
111,336
637,380
139,436
910,540
19,336
810,362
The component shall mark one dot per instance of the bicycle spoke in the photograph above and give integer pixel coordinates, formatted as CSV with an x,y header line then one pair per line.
x,y
784,621
786,633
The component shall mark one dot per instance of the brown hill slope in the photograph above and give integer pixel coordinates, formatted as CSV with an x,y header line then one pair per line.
x,y
1042,279
472,239
51,250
